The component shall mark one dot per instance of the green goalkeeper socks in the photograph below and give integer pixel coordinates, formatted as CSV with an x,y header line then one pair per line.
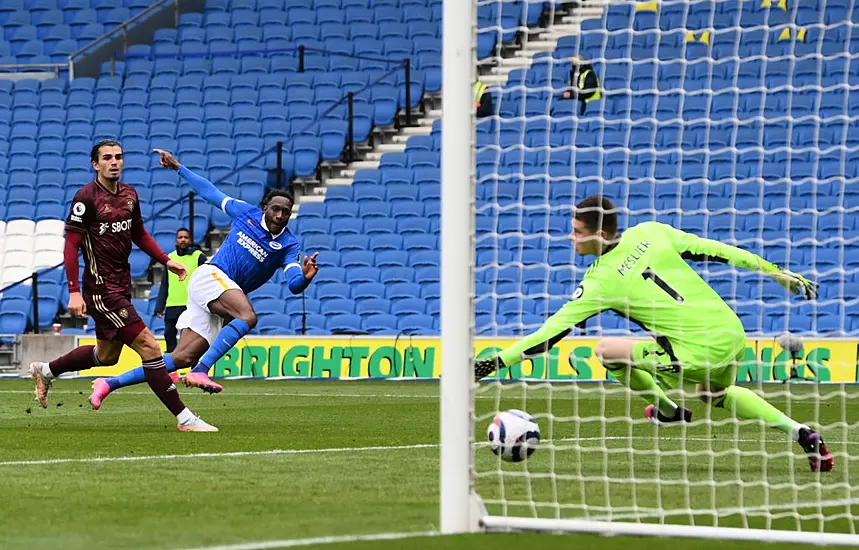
x,y
747,405
643,383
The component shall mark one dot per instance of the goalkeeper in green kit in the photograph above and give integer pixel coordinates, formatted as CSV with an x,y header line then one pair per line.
x,y
642,274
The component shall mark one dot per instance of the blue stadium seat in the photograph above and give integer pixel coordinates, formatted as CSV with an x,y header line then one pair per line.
x,y
274,324
358,275
375,324
366,291
13,322
344,323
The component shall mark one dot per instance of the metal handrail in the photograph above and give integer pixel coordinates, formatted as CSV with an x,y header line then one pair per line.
x,y
114,31
264,51
317,120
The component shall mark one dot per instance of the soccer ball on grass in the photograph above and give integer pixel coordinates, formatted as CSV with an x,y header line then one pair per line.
x,y
513,435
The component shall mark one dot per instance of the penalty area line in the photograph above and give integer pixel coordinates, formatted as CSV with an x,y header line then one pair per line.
x,y
293,543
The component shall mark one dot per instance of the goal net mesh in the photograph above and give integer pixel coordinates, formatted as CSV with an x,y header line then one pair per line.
x,y
731,120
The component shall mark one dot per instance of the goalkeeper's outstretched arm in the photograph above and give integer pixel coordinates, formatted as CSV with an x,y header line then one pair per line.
x,y
693,247
586,303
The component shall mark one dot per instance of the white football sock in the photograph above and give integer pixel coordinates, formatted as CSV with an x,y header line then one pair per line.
x,y
185,416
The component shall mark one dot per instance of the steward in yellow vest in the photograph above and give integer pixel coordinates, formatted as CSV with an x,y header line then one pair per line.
x,y
584,84
173,295
482,100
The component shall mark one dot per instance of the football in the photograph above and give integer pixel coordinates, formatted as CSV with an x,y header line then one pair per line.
x,y
513,435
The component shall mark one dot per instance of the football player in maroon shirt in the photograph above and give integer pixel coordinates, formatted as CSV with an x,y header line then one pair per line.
x,y
104,220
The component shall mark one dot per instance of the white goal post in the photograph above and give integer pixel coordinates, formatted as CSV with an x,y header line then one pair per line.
x,y
601,467
457,260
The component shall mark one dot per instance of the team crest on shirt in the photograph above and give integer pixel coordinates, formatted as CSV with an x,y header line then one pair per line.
x,y
123,313
275,245
130,204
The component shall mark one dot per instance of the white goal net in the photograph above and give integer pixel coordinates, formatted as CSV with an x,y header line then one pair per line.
x,y
733,120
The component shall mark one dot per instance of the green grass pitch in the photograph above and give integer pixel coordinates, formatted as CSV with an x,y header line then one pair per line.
x,y
298,460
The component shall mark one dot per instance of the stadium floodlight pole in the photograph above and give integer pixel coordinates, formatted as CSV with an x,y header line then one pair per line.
x,y
457,230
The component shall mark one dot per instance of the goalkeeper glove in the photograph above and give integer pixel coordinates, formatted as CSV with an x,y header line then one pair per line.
x,y
485,367
795,283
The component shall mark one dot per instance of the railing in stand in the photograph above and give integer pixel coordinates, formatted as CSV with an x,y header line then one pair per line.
x,y
301,51
121,28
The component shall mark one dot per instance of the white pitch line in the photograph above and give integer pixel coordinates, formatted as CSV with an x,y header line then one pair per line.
x,y
293,543
275,452
93,460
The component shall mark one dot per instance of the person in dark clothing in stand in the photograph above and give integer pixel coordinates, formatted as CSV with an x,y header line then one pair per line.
x,y
483,102
584,84
173,295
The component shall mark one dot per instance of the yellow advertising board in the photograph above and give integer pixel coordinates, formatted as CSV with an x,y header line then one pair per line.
x,y
408,357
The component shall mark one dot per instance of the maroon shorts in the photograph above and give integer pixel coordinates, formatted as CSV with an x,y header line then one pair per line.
x,y
115,318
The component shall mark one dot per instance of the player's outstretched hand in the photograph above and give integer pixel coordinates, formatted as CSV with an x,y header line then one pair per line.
x,y
77,306
167,159
310,269
796,283
178,269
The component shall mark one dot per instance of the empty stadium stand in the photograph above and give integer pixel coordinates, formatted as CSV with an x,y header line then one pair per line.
x,y
744,139
729,119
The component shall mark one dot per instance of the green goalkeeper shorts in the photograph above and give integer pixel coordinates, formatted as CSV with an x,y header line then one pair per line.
x,y
714,364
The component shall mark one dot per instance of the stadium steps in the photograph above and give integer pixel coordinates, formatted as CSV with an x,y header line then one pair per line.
x,y
397,143
393,147
385,143
368,154
520,55
418,131
572,23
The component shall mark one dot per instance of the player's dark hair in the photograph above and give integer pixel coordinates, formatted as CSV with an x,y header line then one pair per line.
x,y
597,213
278,193
93,155
185,229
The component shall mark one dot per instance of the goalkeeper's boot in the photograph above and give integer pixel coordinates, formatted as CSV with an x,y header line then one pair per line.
x,y
681,414
485,367
100,390
819,457
201,380
196,424
42,381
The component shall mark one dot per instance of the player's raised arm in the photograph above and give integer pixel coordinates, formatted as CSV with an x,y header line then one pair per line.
x,y
300,274
205,188
693,247
586,302
199,184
